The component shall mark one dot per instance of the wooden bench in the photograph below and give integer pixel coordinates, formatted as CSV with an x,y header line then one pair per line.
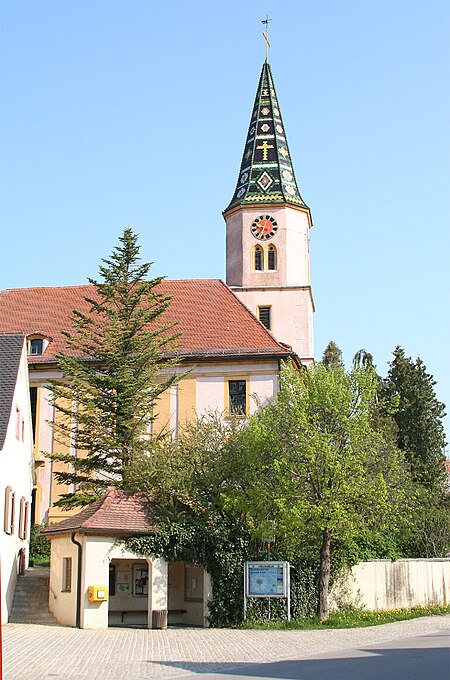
x,y
122,612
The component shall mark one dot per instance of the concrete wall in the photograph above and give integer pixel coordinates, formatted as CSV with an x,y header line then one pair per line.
x,y
383,584
16,472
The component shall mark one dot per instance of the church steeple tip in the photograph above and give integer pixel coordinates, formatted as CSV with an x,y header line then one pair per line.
x,y
266,174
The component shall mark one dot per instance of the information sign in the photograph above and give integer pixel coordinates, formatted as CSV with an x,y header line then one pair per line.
x,y
267,579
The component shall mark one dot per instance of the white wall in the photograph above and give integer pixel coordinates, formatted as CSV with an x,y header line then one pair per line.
x,y
16,471
211,384
383,584
63,605
98,551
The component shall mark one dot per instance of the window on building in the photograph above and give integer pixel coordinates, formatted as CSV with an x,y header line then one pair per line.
x,y
35,346
33,403
8,520
258,259
66,575
112,579
18,422
237,397
26,533
272,258
24,516
22,519
264,316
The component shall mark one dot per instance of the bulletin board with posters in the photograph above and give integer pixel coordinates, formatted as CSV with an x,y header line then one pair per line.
x,y
140,580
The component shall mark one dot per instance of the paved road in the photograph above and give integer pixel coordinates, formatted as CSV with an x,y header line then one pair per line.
x,y
418,649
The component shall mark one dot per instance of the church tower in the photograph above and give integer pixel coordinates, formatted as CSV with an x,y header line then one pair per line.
x,y
267,230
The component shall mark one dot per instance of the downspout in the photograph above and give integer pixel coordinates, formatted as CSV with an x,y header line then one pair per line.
x,y
79,562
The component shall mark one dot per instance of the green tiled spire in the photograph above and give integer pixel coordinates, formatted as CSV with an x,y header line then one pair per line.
x,y
266,174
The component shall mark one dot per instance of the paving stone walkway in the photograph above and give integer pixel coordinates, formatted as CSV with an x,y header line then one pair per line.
x,y
36,652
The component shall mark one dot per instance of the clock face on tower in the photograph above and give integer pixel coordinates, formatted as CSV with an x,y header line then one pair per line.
x,y
264,227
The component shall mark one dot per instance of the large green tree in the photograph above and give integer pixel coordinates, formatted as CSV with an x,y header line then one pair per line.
x,y
321,468
113,372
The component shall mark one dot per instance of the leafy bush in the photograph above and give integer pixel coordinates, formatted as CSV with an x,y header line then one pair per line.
x,y
222,548
39,545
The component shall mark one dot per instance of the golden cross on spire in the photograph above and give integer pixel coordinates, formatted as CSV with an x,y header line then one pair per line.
x,y
265,148
266,35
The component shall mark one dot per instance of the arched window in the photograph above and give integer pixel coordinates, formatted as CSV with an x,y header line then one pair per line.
x,y
258,259
272,258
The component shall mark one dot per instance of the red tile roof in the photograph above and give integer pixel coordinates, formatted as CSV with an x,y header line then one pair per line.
x,y
212,320
116,513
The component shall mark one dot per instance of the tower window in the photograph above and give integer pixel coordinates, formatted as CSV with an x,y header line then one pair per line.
x,y
237,397
264,316
272,258
258,259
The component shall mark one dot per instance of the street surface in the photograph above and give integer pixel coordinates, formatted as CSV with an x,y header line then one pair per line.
x,y
408,650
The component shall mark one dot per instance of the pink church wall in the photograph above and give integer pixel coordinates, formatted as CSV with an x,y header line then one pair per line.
x,y
291,316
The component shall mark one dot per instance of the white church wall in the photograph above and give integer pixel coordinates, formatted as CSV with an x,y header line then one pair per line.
x,y
16,474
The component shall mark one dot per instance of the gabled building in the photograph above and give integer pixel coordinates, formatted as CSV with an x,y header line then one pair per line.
x,y
230,354
16,465
233,335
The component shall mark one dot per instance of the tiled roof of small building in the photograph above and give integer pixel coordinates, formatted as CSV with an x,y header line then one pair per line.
x,y
266,175
116,513
11,345
212,321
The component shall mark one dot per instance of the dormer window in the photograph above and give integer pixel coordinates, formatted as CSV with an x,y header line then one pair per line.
x,y
37,344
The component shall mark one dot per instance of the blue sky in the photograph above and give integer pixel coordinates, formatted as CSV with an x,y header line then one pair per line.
x,y
135,113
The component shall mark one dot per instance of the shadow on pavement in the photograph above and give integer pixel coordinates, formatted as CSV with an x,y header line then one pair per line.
x,y
408,663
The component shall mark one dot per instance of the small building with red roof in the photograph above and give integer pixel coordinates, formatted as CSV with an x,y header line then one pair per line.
x,y
95,582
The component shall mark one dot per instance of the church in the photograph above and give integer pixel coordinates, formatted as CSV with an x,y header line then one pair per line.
x,y
234,336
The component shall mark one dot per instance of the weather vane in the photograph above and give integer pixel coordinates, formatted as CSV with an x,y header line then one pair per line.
x,y
266,35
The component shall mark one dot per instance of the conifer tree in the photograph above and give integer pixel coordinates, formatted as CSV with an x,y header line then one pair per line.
x,y
116,366
332,356
418,417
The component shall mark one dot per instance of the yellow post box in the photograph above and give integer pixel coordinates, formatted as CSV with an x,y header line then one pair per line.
x,y
97,593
